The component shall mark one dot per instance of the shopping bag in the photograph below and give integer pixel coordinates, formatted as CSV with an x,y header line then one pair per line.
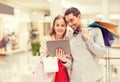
x,y
62,74
40,76
50,64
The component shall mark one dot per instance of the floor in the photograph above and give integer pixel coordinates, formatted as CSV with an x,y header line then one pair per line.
x,y
20,66
17,67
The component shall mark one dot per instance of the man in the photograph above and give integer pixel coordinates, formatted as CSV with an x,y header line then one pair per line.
x,y
87,46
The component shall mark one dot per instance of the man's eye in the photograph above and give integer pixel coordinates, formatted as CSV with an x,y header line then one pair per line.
x,y
71,20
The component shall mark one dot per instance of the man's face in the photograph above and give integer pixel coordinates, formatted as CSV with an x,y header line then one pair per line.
x,y
73,21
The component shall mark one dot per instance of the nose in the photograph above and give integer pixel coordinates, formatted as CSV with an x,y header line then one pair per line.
x,y
59,27
70,24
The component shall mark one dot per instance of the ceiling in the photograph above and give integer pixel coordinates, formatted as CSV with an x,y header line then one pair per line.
x,y
88,7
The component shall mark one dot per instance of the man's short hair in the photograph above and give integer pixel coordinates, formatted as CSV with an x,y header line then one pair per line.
x,y
72,10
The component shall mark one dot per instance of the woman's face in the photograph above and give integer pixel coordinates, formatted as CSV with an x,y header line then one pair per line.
x,y
60,27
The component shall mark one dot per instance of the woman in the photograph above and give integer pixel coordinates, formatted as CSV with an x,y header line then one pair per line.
x,y
58,31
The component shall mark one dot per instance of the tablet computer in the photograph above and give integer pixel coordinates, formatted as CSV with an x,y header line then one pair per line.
x,y
54,44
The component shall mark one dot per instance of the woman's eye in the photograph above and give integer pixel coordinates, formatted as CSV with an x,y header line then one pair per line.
x,y
63,25
57,25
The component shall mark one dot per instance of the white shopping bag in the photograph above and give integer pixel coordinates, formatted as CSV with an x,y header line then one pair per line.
x,y
50,64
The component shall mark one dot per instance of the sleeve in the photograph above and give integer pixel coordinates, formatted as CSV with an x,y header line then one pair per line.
x,y
68,63
96,43
43,49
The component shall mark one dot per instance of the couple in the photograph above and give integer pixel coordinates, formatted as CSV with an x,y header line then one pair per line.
x,y
86,47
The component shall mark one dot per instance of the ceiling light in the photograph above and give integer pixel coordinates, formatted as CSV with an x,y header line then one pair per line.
x,y
114,16
49,0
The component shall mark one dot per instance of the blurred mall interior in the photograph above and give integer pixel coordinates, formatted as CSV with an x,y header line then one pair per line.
x,y
21,19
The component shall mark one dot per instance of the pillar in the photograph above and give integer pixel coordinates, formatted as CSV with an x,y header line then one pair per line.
x,y
55,9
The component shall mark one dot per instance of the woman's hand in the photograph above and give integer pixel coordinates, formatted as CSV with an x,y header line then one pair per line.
x,y
61,55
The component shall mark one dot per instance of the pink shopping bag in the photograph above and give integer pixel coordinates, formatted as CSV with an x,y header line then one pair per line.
x,y
39,75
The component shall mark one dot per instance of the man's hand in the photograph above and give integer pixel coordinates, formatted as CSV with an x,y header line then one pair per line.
x,y
84,34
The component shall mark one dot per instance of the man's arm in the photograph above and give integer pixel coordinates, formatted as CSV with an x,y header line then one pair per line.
x,y
95,42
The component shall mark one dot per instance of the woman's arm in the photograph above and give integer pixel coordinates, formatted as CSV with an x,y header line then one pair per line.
x,y
43,49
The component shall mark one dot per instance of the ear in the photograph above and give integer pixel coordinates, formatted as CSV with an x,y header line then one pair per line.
x,y
79,16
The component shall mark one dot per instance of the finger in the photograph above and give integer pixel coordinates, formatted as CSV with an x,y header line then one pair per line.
x,y
57,52
60,50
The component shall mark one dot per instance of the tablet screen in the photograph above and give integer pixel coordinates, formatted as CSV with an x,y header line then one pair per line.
x,y
54,44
